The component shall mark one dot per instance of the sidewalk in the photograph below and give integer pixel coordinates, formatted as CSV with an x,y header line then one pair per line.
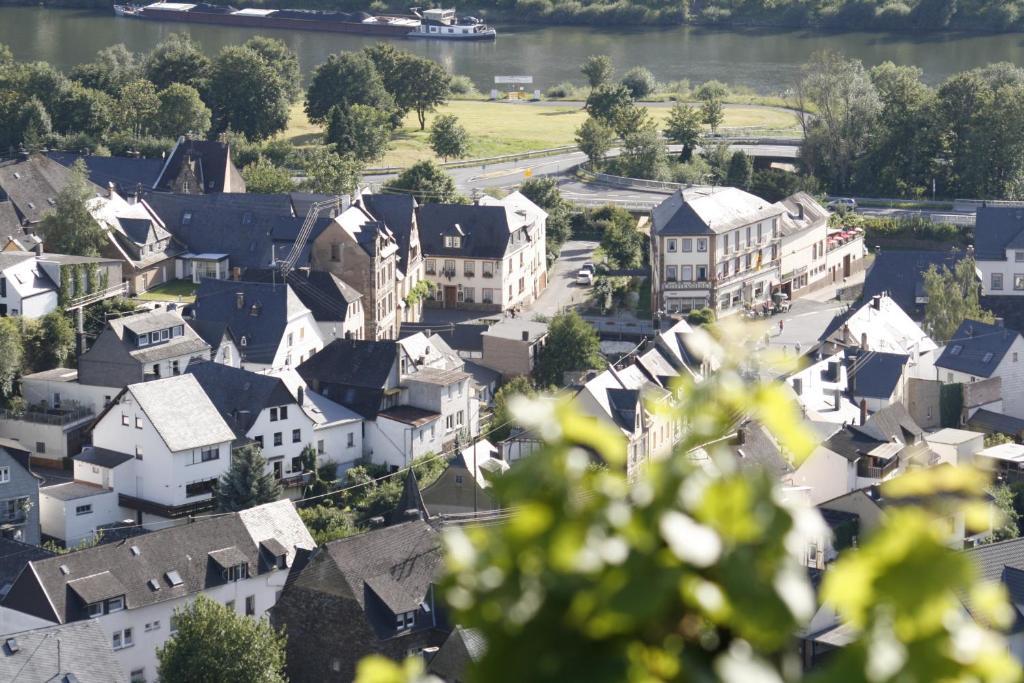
x,y
829,293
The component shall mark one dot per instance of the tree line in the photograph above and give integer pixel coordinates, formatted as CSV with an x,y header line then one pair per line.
x,y
883,131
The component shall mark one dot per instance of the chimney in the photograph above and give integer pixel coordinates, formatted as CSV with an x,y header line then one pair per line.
x,y
864,341
741,436
837,395
878,249
863,410
301,398
427,332
526,335
239,300
37,246
876,302
833,371
236,273
799,211
798,386
110,189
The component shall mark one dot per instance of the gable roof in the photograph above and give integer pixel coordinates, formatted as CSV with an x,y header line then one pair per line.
x,y
258,324
17,452
882,324
184,549
977,348
485,231
900,275
874,374
211,163
758,450
211,331
10,225
990,421
127,328
325,294
704,212
239,395
996,229
60,654
32,185
181,412
352,362
397,212
891,427
125,173
14,556
463,647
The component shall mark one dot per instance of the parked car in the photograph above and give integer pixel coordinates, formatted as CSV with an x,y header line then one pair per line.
x,y
589,266
584,277
842,204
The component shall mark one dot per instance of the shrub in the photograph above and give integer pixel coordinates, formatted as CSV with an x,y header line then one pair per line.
x,y
640,82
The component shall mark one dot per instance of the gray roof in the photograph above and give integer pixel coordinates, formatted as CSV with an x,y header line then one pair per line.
x,y
855,441
483,376
325,294
239,395
56,653
437,376
397,563
72,490
900,275
397,212
514,328
991,421
484,230
14,555
354,362
33,184
710,213
188,343
977,348
10,224
259,323
184,549
996,229
181,412
211,162
461,337
802,213
103,457
126,173
462,647
875,374
759,451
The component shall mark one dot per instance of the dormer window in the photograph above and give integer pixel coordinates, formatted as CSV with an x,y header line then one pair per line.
x,y
95,609
237,572
955,350
453,242
405,621
144,339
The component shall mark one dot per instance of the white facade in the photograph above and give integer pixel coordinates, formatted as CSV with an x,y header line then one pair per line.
x,y
396,443
24,289
1011,372
74,519
1003,278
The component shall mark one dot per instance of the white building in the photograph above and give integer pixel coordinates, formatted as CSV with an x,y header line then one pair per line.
x,y
31,284
982,351
132,588
488,256
717,248
812,254
999,249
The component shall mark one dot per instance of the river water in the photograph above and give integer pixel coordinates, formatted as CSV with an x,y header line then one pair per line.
x,y
765,60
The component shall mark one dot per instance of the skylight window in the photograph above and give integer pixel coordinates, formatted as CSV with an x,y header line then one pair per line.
x,y
987,357
955,351
135,551
173,577
186,218
153,584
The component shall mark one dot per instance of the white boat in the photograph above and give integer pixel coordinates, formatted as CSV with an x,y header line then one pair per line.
x,y
127,11
443,24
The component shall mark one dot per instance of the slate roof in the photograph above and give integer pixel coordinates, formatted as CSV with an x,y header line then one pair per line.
x,y
103,457
79,652
992,422
759,451
855,441
352,362
33,184
463,647
126,173
461,337
239,395
396,211
259,324
10,224
977,348
482,375
326,295
900,274
486,232
189,343
17,452
253,230
211,331
409,415
996,229
213,167
397,563
14,555
181,412
875,374
710,213
184,549
513,328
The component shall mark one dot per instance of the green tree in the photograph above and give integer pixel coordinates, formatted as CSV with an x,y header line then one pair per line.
x,y
12,353
422,86
78,109
544,193
178,59
502,421
427,182
181,112
683,127
449,138
712,112
114,67
247,482
598,69
214,643
643,154
246,94
328,523
622,243
711,90
49,341
359,131
263,177
282,60
33,124
594,139
572,345
741,170
640,82
607,102
997,439
136,107
70,228
327,172
344,80
1003,501
953,296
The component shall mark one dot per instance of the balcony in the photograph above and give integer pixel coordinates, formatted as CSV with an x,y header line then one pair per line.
x,y
867,468
162,510
744,274
448,273
42,414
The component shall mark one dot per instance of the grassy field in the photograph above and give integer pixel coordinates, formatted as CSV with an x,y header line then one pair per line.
x,y
507,128
183,291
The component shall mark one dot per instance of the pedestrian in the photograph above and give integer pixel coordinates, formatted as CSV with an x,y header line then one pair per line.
x,y
781,326
798,348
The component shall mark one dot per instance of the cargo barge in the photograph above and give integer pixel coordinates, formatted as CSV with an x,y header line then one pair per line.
x,y
438,24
